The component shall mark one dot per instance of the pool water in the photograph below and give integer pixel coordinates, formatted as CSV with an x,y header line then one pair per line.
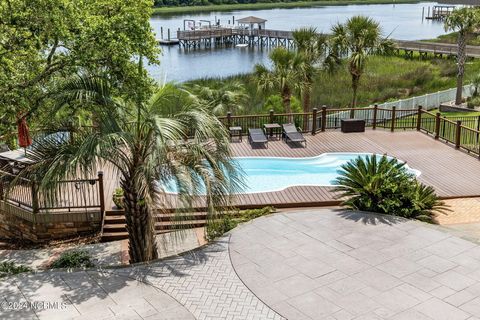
x,y
266,174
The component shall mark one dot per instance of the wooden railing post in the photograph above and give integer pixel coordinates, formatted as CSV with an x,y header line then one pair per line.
x,y
314,121
229,119
324,118
101,194
458,132
272,116
419,118
437,125
34,197
392,128
375,111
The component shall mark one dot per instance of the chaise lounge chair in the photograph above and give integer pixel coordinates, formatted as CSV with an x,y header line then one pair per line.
x,y
257,136
291,133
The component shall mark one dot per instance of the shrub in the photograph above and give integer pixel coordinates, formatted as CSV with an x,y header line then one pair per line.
x,y
73,259
8,268
275,103
216,228
117,198
382,185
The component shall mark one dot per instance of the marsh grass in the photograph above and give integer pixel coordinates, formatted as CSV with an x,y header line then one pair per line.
x,y
386,78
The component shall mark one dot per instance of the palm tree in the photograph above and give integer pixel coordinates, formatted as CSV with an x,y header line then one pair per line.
x,y
229,97
358,38
148,146
311,45
284,77
383,185
463,20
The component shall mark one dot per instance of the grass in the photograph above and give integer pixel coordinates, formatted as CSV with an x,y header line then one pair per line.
x,y
8,268
73,259
385,79
269,5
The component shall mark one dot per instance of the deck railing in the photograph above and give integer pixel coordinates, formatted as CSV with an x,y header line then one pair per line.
x,y
68,195
462,132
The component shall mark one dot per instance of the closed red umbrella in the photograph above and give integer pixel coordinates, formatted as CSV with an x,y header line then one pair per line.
x,y
24,139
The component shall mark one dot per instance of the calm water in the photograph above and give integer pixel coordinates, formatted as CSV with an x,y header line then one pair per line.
x,y
264,174
402,21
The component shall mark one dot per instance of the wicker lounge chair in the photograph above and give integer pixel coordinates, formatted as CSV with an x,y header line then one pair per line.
x,y
257,136
291,133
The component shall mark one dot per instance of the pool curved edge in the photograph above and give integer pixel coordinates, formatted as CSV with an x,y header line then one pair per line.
x,y
416,172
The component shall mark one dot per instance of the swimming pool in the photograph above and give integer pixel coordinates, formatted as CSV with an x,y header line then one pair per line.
x,y
266,174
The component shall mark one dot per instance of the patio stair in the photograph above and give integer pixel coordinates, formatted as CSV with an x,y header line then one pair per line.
x,y
114,226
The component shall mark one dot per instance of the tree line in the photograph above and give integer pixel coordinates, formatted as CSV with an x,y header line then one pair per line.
x,y
178,3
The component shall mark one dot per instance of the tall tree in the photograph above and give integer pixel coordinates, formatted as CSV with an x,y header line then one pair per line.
x,y
284,77
311,45
463,21
148,148
42,41
358,38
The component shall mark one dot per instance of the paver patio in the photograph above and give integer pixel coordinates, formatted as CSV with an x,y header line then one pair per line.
x,y
329,264
306,264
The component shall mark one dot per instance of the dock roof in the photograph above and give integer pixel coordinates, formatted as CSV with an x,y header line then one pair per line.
x,y
251,19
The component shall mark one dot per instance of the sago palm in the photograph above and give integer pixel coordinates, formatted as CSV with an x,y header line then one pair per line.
x,y
358,38
285,76
464,20
383,185
147,147
311,45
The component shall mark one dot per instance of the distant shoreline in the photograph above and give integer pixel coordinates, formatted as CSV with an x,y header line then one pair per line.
x,y
275,5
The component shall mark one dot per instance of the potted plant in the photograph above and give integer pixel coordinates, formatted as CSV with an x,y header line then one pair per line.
x,y
118,197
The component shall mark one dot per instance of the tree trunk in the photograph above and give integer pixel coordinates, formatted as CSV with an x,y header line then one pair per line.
x,y
287,98
306,104
140,225
461,66
355,81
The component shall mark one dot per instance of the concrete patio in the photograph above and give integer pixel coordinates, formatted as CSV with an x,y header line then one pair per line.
x,y
306,264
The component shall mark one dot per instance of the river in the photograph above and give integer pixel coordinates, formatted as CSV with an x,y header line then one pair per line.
x,y
400,21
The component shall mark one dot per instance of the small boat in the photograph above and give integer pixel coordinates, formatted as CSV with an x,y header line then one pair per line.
x,y
242,45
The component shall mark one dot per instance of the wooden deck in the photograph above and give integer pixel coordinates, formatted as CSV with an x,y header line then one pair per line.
x,y
451,172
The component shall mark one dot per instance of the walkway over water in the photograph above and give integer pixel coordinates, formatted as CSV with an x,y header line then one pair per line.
x,y
216,36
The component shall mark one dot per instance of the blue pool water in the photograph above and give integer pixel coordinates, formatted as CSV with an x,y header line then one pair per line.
x,y
264,174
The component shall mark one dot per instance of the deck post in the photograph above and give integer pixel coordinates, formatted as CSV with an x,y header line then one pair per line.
x,y
458,132
419,118
478,127
101,195
34,197
272,116
437,125
229,119
375,110
314,121
392,128
324,118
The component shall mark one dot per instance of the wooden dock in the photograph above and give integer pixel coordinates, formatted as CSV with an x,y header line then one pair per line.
x,y
232,36
222,36
434,48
